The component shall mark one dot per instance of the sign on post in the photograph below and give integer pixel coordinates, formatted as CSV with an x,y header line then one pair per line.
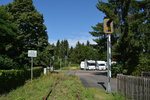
x,y
32,53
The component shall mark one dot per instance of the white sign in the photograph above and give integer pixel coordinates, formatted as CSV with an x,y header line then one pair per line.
x,y
32,53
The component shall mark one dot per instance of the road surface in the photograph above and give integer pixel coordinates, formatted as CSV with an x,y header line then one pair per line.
x,y
94,79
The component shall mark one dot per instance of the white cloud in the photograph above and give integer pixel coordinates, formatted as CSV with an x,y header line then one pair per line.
x,y
73,41
52,41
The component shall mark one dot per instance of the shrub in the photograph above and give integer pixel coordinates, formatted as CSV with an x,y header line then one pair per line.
x,y
72,65
143,66
10,79
6,63
57,65
117,69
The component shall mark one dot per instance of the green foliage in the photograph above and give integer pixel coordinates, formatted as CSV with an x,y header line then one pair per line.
x,y
22,29
143,66
58,65
10,79
100,39
61,49
118,97
44,57
8,33
73,55
32,31
82,52
117,69
7,63
72,65
130,37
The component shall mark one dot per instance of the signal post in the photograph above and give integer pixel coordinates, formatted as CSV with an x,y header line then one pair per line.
x,y
108,29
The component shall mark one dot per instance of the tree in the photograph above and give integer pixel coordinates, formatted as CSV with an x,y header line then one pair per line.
x,y
57,48
66,47
101,40
8,32
32,31
82,52
128,16
140,28
62,49
45,56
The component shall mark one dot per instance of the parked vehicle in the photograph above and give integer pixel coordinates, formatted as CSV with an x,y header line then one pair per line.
x,y
91,64
88,65
82,65
101,65
94,65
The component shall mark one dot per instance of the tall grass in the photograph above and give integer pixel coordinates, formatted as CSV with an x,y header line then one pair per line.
x,y
69,87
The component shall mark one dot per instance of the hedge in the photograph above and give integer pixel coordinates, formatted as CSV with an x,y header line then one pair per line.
x,y
11,79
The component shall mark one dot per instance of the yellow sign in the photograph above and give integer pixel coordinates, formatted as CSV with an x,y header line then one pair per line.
x,y
108,26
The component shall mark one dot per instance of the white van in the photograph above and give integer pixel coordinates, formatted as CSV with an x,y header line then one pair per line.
x,y
101,65
82,65
91,64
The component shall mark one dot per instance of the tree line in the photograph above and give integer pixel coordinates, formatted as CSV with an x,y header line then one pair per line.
x,y
76,54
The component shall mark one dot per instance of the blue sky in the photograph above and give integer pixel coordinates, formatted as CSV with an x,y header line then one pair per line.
x,y
68,19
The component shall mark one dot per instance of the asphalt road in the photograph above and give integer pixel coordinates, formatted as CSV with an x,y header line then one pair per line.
x,y
96,79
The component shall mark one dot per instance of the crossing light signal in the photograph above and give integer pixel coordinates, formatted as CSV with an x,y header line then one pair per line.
x,y
108,25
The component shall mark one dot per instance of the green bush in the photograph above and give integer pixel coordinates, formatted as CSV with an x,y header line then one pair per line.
x,y
143,66
117,69
57,65
6,63
10,79
72,65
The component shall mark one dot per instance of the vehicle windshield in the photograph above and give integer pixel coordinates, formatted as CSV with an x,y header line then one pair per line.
x,y
91,64
101,64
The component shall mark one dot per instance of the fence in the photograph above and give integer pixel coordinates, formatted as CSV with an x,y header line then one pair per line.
x,y
133,88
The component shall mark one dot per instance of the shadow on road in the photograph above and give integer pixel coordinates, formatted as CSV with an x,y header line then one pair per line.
x,y
100,73
102,84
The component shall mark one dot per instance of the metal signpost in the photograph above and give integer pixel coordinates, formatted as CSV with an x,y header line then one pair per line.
x,y
32,53
108,28
66,61
60,62
51,63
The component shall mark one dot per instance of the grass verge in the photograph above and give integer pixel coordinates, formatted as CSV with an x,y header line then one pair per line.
x,y
69,87
70,68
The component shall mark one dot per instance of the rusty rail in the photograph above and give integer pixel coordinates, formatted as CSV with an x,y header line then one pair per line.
x,y
49,92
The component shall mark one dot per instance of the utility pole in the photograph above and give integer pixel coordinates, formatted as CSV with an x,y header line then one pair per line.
x,y
109,62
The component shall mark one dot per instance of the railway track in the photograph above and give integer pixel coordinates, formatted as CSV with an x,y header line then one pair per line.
x,y
51,89
49,92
